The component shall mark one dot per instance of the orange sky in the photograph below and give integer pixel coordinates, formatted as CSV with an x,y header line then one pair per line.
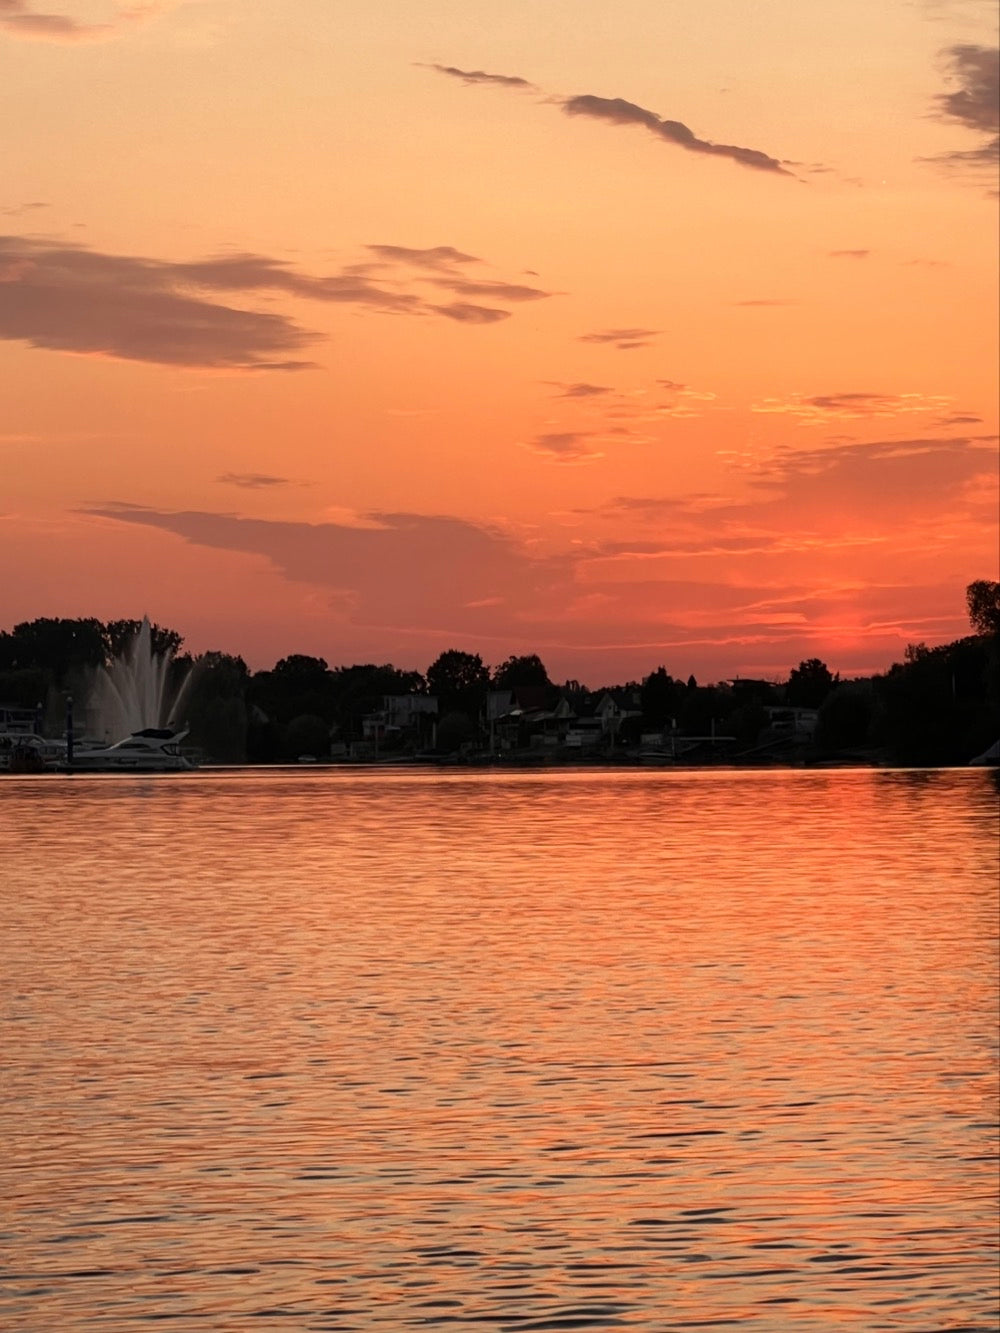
x,y
624,334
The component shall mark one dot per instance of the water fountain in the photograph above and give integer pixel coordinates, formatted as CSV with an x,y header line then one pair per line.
x,y
136,689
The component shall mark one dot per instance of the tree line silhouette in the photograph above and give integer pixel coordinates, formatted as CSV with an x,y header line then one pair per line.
x,y
938,706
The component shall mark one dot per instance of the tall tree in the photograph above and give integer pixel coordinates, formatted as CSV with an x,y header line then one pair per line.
x,y
659,697
529,670
302,669
809,683
983,601
214,706
55,645
460,681
298,684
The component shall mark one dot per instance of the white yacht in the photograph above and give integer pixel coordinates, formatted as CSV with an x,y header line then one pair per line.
x,y
151,750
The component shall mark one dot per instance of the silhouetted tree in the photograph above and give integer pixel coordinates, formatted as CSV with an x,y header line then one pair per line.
x,y
308,673
214,706
517,671
297,684
703,706
982,598
57,646
809,683
938,706
576,695
659,697
24,688
460,681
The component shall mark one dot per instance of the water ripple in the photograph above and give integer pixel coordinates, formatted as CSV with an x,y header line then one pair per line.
x,y
579,1051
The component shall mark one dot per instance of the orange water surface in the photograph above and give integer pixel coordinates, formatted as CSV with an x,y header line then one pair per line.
x,y
389,1049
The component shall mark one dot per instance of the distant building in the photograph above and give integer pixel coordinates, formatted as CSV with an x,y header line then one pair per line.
x,y
403,719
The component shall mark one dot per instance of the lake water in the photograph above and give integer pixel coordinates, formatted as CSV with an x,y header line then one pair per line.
x,y
376,1049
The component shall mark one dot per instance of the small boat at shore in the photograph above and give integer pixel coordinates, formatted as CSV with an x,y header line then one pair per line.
x,y
151,750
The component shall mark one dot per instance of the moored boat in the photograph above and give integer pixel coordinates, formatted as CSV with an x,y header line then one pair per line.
x,y
151,750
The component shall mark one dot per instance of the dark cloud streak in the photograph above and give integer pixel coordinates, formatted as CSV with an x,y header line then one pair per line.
x,y
975,103
251,481
502,291
436,256
480,76
617,111
623,339
463,312
65,298
583,390
566,446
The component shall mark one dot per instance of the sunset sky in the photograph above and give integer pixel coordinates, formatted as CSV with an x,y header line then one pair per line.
x,y
626,334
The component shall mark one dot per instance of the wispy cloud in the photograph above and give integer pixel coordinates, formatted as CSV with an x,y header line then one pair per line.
x,y
566,446
849,254
454,563
823,407
435,256
19,210
466,313
252,481
808,495
499,291
583,390
623,339
974,103
812,507
958,419
20,19
920,483
480,76
68,298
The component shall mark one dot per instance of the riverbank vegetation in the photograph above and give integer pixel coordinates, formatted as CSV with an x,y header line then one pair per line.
x,y
938,706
